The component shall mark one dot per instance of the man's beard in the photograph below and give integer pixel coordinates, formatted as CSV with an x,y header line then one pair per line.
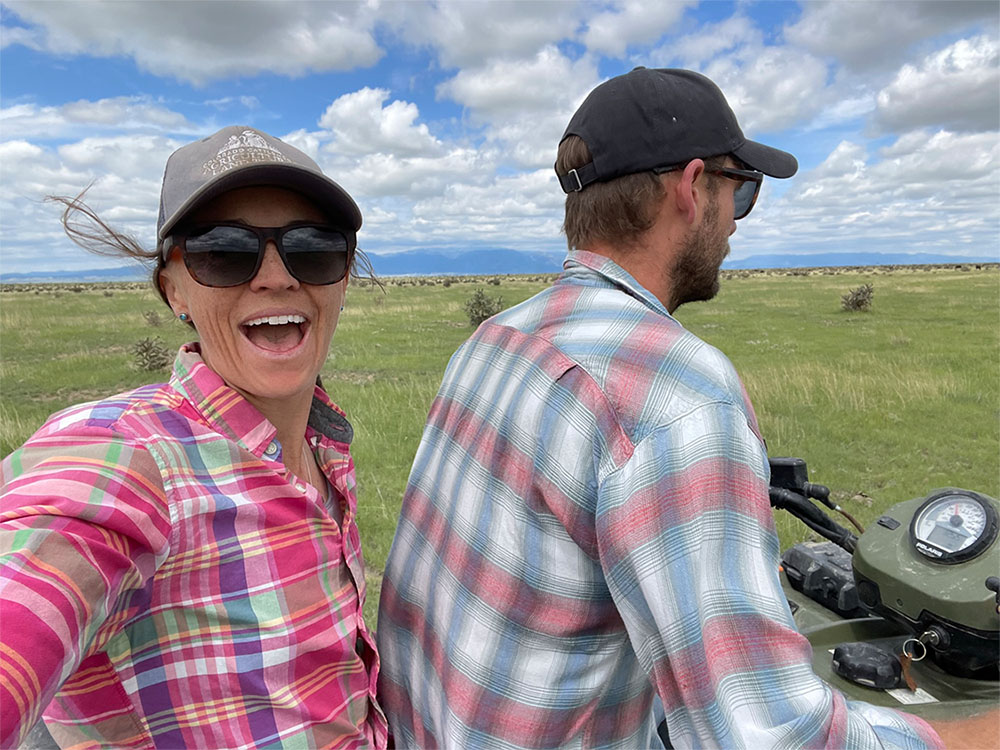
x,y
695,275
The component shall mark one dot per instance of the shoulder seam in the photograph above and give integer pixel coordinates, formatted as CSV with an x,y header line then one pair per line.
x,y
574,364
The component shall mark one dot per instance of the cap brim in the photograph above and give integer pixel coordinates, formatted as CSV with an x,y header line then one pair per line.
x,y
321,190
770,161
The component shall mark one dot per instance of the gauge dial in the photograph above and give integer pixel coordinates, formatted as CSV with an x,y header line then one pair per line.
x,y
953,526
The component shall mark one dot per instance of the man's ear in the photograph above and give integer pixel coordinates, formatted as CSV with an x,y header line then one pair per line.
x,y
687,193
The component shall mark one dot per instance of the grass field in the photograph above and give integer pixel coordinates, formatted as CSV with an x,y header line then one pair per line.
x,y
884,405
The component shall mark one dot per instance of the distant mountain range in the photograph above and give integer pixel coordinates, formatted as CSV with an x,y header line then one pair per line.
x,y
466,262
839,260
506,261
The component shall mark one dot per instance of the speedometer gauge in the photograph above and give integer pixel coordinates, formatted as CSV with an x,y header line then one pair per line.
x,y
953,526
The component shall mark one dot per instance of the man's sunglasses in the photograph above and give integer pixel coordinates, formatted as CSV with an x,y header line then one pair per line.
x,y
229,254
746,193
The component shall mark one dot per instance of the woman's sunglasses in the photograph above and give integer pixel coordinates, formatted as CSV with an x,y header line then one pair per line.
x,y
229,254
745,195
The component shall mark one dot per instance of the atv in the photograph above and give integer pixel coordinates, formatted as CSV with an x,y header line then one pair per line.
x,y
907,613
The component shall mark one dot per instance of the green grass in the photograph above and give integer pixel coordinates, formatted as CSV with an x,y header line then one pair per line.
x,y
891,403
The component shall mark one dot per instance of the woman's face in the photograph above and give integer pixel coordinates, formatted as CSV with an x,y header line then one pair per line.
x,y
264,361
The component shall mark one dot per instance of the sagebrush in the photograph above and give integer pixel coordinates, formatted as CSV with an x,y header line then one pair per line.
x,y
151,354
481,306
859,299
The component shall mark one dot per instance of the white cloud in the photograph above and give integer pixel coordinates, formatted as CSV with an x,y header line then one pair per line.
x,y
631,22
124,174
382,175
506,87
958,169
521,211
878,35
467,34
228,102
525,103
83,116
925,163
124,157
957,87
772,88
531,141
843,107
19,35
361,125
18,151
695,49
307,141
926,192
199,42
31,171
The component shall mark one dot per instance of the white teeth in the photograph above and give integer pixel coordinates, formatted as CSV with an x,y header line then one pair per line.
x,y
276,320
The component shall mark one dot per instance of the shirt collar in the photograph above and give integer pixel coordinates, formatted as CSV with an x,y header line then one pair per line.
x,y
227,412
584,264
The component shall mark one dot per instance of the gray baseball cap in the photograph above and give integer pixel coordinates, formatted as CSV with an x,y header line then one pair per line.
x,y
237,157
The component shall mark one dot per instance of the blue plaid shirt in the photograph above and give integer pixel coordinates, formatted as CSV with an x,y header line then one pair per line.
x,y
586,526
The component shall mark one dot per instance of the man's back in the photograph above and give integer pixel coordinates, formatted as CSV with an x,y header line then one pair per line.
x,y
587,522
502,610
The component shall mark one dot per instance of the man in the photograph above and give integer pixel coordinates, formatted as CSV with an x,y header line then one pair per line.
x,y
587,524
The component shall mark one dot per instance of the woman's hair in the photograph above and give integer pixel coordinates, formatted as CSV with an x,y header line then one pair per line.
x,y
88,230
615,212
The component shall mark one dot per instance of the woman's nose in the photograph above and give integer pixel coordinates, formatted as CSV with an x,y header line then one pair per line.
x,y
272,273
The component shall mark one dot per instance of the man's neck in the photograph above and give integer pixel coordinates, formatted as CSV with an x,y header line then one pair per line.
x,y
648,263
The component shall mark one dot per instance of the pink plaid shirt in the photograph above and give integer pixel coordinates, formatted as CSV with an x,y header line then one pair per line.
x,y
166,582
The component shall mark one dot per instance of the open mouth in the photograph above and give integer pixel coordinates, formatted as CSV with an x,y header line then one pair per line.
x,y
276,333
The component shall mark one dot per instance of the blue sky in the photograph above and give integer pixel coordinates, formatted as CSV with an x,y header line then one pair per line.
x,y
442,119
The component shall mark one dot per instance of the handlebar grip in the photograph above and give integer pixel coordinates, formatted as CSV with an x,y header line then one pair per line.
x,y
812,517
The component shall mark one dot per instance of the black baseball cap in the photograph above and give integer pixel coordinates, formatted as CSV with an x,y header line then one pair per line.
x,y
659,117
239,156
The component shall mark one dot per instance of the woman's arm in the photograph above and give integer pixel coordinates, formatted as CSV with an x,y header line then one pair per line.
x,y
83,519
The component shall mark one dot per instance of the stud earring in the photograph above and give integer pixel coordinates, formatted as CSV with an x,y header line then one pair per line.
x,y
183,318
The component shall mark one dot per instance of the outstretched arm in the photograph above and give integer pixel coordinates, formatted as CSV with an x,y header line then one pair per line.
x,y
82,521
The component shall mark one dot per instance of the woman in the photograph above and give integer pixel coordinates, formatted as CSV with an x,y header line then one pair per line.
x,y
181,564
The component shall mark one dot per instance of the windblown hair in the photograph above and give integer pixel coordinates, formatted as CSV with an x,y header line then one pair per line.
x,y
614,212
88,230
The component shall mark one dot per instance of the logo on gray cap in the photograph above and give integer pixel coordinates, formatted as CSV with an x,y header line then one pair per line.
x,y
249,147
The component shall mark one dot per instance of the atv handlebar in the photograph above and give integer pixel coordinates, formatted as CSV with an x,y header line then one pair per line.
x,y
790,490
800,507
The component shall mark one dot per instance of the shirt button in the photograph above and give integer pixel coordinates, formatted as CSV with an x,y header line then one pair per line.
x,y
272,449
